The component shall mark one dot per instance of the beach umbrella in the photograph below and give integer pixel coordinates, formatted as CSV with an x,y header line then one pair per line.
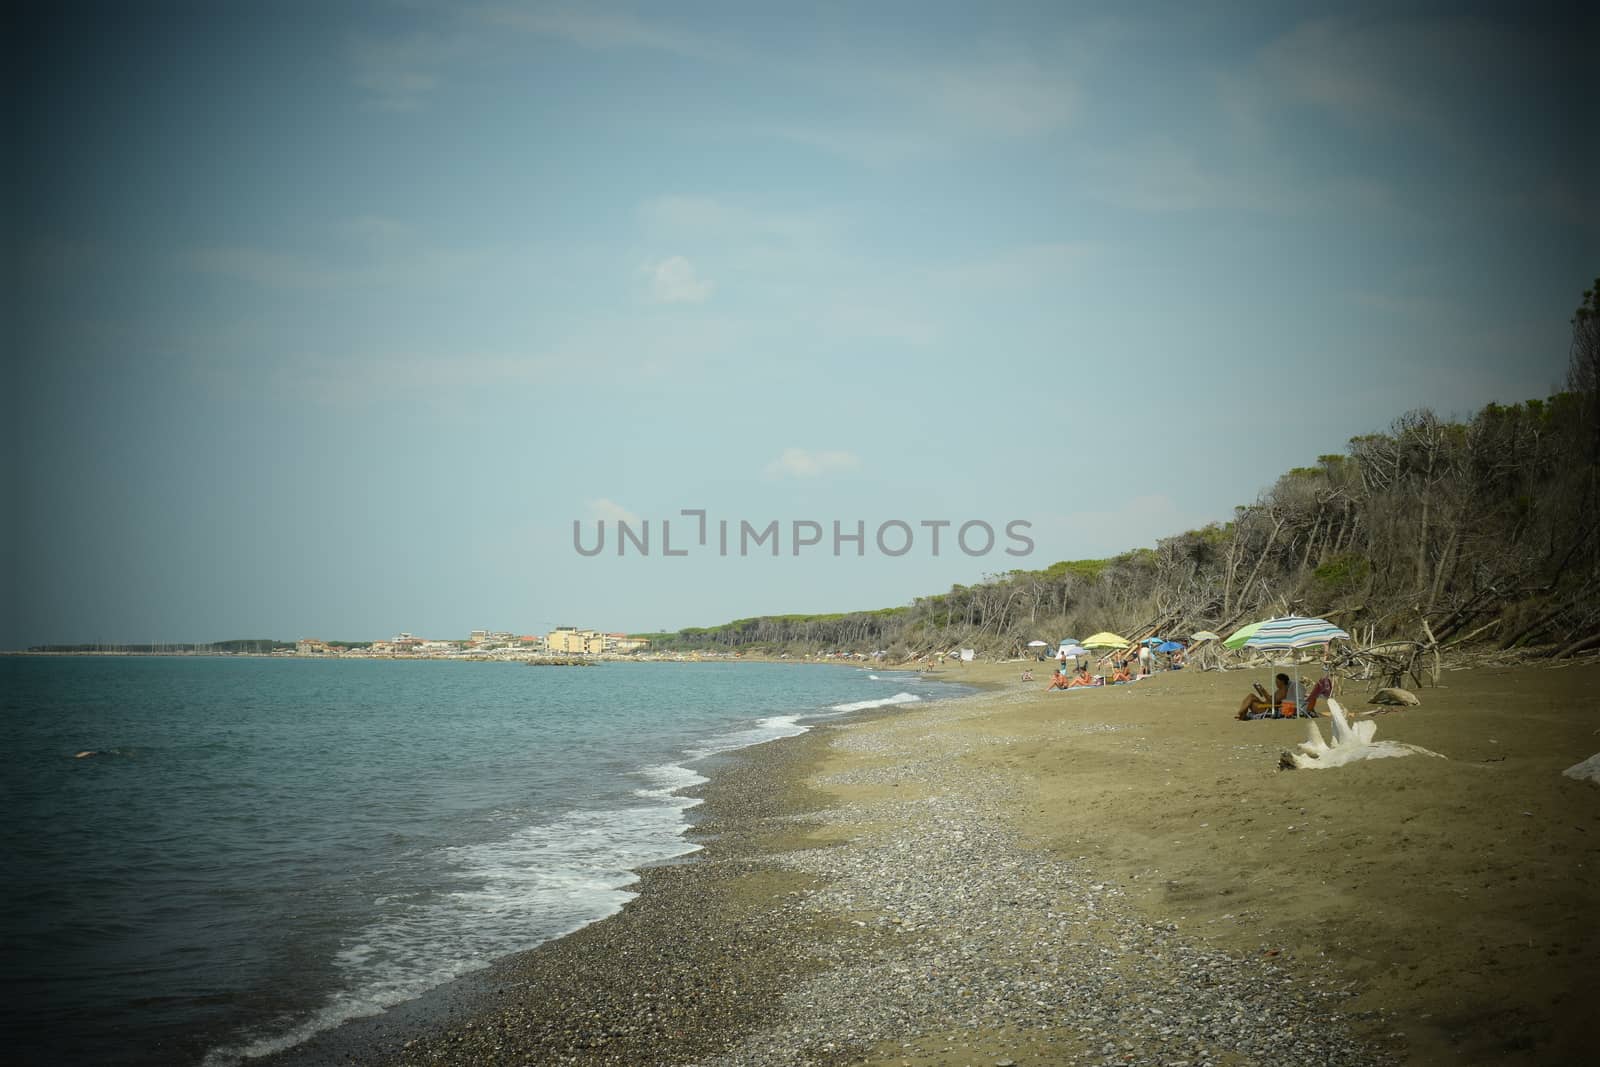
x,y
1168,646
1074,651
1294,632
1242,634
1152,641
1106,639
1038,644
1204,635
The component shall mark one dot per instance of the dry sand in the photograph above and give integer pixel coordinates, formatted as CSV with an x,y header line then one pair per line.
x,y
1457,897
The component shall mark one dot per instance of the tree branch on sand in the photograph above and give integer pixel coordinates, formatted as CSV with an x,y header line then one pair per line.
x,y
1351,742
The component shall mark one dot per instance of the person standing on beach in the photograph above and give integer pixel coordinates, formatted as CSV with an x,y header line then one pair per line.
x,y
1144,661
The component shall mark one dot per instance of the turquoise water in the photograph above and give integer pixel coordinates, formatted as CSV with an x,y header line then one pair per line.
x,y
263,848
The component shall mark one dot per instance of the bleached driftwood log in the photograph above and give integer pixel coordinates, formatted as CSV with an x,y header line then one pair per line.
x,y
1587,771
1350,742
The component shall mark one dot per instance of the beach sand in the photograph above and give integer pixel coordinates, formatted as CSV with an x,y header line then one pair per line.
x,y
1120,875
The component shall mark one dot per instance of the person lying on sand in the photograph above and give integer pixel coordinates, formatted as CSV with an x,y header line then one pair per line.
x,y
1257,705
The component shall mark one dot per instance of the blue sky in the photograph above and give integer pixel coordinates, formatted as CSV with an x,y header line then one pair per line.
x,y
332,319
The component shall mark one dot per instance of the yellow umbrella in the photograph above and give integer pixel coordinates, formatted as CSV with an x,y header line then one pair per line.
x,y
1106,639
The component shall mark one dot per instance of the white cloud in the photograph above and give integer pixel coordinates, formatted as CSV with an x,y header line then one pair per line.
x,y
264,267
398,72
674,281
605,30
707,217
367,254
1014,97
602,508
800,463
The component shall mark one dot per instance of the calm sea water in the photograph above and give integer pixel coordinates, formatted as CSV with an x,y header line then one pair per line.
x,y
263,848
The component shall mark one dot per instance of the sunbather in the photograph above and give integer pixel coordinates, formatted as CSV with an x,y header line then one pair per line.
x,y
1083,677
1257,705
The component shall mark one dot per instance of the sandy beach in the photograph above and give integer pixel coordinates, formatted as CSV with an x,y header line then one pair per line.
x,y
1107,876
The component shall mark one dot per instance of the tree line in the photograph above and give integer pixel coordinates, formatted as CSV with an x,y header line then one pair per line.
x,y
1482,530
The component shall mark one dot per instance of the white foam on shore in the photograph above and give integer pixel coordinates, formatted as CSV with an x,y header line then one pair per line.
x,y
492,899
666,779
764,730
540,883
884,702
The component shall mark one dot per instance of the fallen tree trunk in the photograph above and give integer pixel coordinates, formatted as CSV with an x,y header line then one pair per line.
x,y
1573,649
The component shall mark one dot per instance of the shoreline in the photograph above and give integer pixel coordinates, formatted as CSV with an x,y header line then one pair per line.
x,y
692,961
1090,877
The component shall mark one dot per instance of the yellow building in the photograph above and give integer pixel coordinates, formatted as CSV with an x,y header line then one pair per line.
x,y
572,641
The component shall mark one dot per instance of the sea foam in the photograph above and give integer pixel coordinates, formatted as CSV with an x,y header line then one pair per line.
x,y
884,702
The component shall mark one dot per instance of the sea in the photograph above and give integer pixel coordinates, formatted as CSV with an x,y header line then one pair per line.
x,y
259,849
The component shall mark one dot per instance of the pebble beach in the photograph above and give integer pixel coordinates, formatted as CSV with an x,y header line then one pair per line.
x,y
1096,877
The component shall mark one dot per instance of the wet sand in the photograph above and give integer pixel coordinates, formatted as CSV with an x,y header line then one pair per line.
x,y
1105,876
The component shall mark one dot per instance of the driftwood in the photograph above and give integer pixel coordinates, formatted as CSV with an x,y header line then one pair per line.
x,y
1390,662
1348,742
1581,645
1434,643
1587,771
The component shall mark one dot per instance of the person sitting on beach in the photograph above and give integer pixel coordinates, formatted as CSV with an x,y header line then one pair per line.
x,y
1059,680
1121,673
1027,676
1257,705
1083,677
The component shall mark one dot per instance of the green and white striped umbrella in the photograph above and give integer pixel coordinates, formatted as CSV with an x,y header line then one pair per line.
x,y
1241,635
1295,631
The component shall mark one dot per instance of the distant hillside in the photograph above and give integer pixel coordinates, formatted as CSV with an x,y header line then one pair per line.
x,y
1487,530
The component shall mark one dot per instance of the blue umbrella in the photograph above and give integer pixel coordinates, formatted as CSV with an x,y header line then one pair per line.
x,y
1151,641
1168,646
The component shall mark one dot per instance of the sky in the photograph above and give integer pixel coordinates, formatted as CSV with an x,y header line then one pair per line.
x,y
344,319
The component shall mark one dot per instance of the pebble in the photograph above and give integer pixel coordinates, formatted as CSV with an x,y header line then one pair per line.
x,y
930,926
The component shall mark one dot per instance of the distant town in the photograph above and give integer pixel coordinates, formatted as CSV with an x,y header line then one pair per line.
x,y
562,643
483,644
